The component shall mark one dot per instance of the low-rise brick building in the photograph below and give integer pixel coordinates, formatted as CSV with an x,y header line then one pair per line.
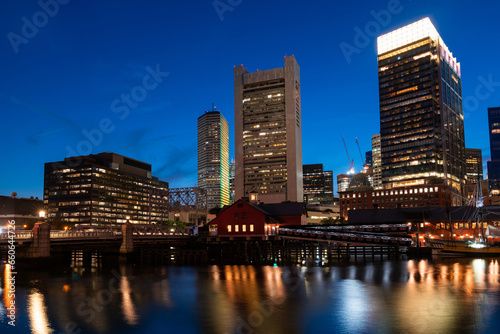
x,y
408,197
251,220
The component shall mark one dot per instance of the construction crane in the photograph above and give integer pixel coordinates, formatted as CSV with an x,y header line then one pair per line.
x,y
365,165
351,162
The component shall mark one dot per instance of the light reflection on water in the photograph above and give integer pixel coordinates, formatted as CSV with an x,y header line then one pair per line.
x,y
448,296
37,312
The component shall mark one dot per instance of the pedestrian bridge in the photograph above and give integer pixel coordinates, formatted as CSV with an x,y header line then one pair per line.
x,y
89,237
387,234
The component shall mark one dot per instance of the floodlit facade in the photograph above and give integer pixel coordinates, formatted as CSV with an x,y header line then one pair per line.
x,y
421,113
376,162
213,158
104,189
268,133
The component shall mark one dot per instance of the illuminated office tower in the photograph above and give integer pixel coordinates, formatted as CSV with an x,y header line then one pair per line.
x,y
318,184
376,162
104,189
213,158
494,164
421,114
474,164
268,135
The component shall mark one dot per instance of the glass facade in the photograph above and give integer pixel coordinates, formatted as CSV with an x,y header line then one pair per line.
x,y
318,184
213,158
494,164
421,117
376,162
474,164
104,189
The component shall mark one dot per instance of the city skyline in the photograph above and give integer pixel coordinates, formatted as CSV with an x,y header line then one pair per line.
x,y
62,92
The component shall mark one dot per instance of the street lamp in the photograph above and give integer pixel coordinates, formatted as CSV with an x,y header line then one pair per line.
x,y
41,214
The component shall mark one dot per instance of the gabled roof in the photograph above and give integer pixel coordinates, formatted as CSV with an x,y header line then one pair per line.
x,y
272,210
284,209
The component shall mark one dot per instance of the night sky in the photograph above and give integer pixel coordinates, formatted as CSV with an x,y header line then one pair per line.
x,y
135,76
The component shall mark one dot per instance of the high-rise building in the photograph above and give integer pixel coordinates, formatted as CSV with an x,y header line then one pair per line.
x,y
494,127
377,162
369,159
494,164
318,184
213,158
268,133
474,164
421,114
104,189
231,181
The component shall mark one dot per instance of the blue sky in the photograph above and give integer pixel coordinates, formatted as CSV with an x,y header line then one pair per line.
x,y
69,73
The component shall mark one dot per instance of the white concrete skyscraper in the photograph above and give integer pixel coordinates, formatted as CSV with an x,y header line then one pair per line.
x,y
268,133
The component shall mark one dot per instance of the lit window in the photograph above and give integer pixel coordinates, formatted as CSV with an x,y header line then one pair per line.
x,y
236,228
244,228
229,228
251,227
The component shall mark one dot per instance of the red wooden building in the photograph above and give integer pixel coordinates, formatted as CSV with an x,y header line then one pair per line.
x,y
246,219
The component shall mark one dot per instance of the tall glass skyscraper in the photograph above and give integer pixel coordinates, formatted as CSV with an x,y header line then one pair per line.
x,y
268,133
318,184
376,162
474,164
494,164
421,114
213,158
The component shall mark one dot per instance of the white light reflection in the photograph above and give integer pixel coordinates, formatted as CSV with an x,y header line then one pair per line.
x,y
37,313
2,309
479,269
129,312
493,271
356,310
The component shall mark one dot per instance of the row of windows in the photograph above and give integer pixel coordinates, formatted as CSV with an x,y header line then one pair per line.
x,y
415,204
237,228
394,192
